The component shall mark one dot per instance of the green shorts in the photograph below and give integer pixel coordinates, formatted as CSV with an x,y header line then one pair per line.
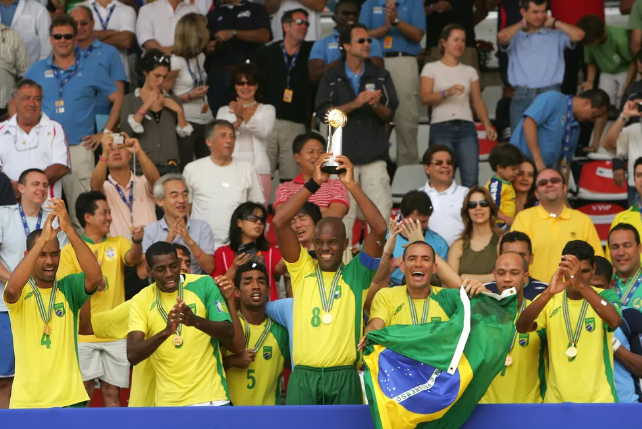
x,y
324,386
78,405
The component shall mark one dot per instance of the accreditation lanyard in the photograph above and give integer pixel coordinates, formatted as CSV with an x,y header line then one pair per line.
x,y
328,301
63,82
104,23
573,337
41,305
24,220
197,81
567,132
288,64
261,339
630,288
163,313
413,312
129,203
89,50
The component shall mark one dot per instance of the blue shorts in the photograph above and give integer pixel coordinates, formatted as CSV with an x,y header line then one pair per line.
x,y
7,358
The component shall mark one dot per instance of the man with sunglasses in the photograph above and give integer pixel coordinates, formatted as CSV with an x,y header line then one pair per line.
x,y
327,53
313,9
552,224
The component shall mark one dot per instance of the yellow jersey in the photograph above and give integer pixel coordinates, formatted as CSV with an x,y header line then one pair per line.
x,y
524,380
503,195
47,371
631,216
550,234
588,378
111,254
391,305
191,373
114,325
260,382
315,343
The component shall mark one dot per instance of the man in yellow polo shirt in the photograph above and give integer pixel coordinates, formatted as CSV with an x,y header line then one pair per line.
x,y
522,380
578,320
328,296
103,359
44,317
632,215
552,224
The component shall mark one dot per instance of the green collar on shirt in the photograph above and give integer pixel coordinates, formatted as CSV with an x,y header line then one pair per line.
x,y
90,241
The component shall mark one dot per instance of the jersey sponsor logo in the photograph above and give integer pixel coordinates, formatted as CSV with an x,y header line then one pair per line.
x,y
219,307
333,45
49,73
589,323
193,307
635,303
245,14
554,312
573,235
59,309
398,309
494,188
524,339
110,254
267,352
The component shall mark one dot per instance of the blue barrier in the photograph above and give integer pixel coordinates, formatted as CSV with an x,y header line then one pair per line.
x,y
532,416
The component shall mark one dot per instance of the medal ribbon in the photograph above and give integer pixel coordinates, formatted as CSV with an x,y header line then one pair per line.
x,y
413,312
41,305
261,339
104,23
162,311
63,82
631,287
24,219
288,64
573,338
567,132
519,313
197,82
326,302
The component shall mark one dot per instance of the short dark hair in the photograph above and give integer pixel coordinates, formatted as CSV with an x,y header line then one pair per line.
x,y
235,233
23,176
525,4
63,21
624,227
33,237
250,72
300,141
416,200
86,204
159,248
418,243
26,82
593,28
599,98
344,2
345,36
581,250
513,237
637,161
505,155
432,150
287,16
250,266
219,123
183,249
154,58
311,210
603,268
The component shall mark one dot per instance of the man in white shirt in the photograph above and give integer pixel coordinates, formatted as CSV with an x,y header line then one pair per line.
x,y
219,183
31,21
314,8
446,196
115,25
31,140
157,22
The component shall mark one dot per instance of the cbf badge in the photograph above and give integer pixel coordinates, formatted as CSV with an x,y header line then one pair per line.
x,y
267,352
524,339
110,253
59,309
589,323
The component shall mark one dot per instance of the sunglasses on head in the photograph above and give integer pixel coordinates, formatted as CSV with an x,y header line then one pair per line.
x,y
364,40
473,204
160,59
552,180
244,83
66,36
254,218
301,22
440,162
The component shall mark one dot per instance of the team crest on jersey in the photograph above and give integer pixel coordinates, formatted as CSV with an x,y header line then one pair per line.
x,y
398,309
337,293
267,352
554,312
110,253
524,339
193,307
59,309
589,323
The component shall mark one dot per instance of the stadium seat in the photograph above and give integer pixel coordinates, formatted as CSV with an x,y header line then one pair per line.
x,y
601,155
602,215
596,183
407,178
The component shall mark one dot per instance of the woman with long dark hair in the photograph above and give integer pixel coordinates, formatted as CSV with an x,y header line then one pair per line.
x,y
524,185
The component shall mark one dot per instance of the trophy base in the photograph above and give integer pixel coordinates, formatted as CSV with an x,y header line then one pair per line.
x,y
331,168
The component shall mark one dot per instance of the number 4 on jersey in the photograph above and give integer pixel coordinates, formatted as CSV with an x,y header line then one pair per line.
x,y
45,341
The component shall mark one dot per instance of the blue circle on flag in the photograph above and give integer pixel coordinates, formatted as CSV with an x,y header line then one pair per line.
x,y
59,313
414,385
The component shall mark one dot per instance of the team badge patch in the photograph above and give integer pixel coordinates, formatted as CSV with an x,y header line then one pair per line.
x,y
589,323
59,309
267,352
219,307
523,339
110,253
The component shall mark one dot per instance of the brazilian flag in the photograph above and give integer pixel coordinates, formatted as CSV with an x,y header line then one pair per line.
x,y
432,375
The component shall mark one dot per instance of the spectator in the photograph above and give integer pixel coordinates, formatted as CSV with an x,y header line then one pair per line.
x,y
535,48
7,195
156,118
579,366
505,160
74,87
332,198
549,131
510,13
117,26
632,215
30,20
220,183
285,83
400,31
187,80
157,22
474,254
365,93
253,122
14,63
518,242
184,257
450,87
552,224
634,90
43,143
524,185
106,55
327,53
635,25
625,251
262,336
13,232
176,226
106,361
247,243
238,28
313,9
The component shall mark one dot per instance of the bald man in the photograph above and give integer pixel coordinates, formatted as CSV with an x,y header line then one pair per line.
x,y
522,379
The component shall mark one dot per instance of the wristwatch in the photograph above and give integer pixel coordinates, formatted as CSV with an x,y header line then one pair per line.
x,y
395,22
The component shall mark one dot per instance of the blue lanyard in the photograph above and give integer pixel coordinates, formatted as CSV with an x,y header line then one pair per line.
x,y
63,82
129,203
104,23
90,48
637,279
199,81
567,133
24,220
289,65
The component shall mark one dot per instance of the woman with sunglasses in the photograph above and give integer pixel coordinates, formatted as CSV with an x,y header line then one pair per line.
x,y
524,185
187,81
473,255
253,122
154,117
450,88
247,242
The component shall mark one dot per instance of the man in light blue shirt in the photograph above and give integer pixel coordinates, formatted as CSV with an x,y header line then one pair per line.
x,y
399,27
535,48
281,312
326,53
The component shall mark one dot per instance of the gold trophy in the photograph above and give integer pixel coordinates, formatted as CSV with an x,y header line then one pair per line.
x,y
336,120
